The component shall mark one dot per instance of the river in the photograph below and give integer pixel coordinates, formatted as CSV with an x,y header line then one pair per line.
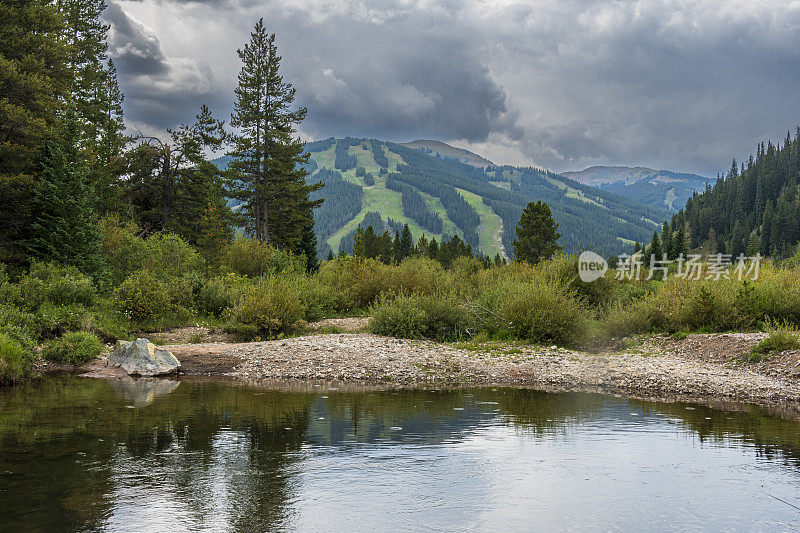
x,y
80,454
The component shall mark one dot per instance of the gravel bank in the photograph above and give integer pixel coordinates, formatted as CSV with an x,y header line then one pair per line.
x,y
658,368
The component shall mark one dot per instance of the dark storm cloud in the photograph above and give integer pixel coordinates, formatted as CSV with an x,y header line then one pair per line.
x,y
160,91
398,80
135,50
557,83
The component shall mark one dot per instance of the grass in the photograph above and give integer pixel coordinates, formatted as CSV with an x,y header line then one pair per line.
x,y
782,337
490,230
75,347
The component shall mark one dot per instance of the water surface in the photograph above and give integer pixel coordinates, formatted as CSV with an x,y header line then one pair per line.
x,y
84,455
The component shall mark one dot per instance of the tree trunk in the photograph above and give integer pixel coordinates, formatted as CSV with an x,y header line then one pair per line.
x,y
265,221
168,186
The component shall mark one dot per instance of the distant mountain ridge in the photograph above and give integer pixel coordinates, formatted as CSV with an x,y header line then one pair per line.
x,y
443,191
444,150
659,188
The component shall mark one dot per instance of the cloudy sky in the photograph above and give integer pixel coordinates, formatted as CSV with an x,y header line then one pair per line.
x,y
561,84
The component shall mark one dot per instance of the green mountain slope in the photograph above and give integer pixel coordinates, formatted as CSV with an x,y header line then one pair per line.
x,y
445,151
441,196
659,188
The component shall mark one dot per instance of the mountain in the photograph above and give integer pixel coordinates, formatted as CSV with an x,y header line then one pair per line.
x,y
384,184
445,151
659,188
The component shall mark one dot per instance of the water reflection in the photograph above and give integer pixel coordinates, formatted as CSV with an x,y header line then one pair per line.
x,y
83,454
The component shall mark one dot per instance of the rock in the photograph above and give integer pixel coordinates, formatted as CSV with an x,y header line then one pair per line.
x,y
143,358
143,391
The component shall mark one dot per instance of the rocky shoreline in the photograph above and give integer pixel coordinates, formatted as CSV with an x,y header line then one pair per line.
x,y
710,368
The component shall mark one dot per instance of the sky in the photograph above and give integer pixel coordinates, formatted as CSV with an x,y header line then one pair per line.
x,y
558,84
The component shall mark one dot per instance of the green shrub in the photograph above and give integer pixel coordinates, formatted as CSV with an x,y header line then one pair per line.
x,y
152,303
776,295
354,284
75,347
15,360
563,270
417,275
249,257
167,256
56,285
621,320
782,337
545,313
265,310
20,325
219,294
415,316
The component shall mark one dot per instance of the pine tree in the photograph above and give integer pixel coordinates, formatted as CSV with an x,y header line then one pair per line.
x,y
359,249
397,248
406,242
667,241
34,82
94,94
655,249
308,243
433,249
422,246
330,255
537,235
680,244
64,229
109,164
215,233
267,170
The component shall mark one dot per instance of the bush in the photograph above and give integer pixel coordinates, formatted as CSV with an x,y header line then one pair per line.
x,y
15,360
354,284
265,310
151,303
219,294
776,295
168,256
249,257
544,313
20,326
626,319
782,337
440,317
417,275
75,347
57,285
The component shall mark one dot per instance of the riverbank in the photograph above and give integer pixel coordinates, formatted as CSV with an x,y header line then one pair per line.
x,y
711,367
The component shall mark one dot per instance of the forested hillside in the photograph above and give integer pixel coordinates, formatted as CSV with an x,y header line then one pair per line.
x,y
755,208
442,197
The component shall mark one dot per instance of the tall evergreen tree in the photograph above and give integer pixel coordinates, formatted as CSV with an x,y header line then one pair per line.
x,y
85,35
267,170
655,250
34,81
65,225
537,235
360,249
680,246
667,244
406,242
